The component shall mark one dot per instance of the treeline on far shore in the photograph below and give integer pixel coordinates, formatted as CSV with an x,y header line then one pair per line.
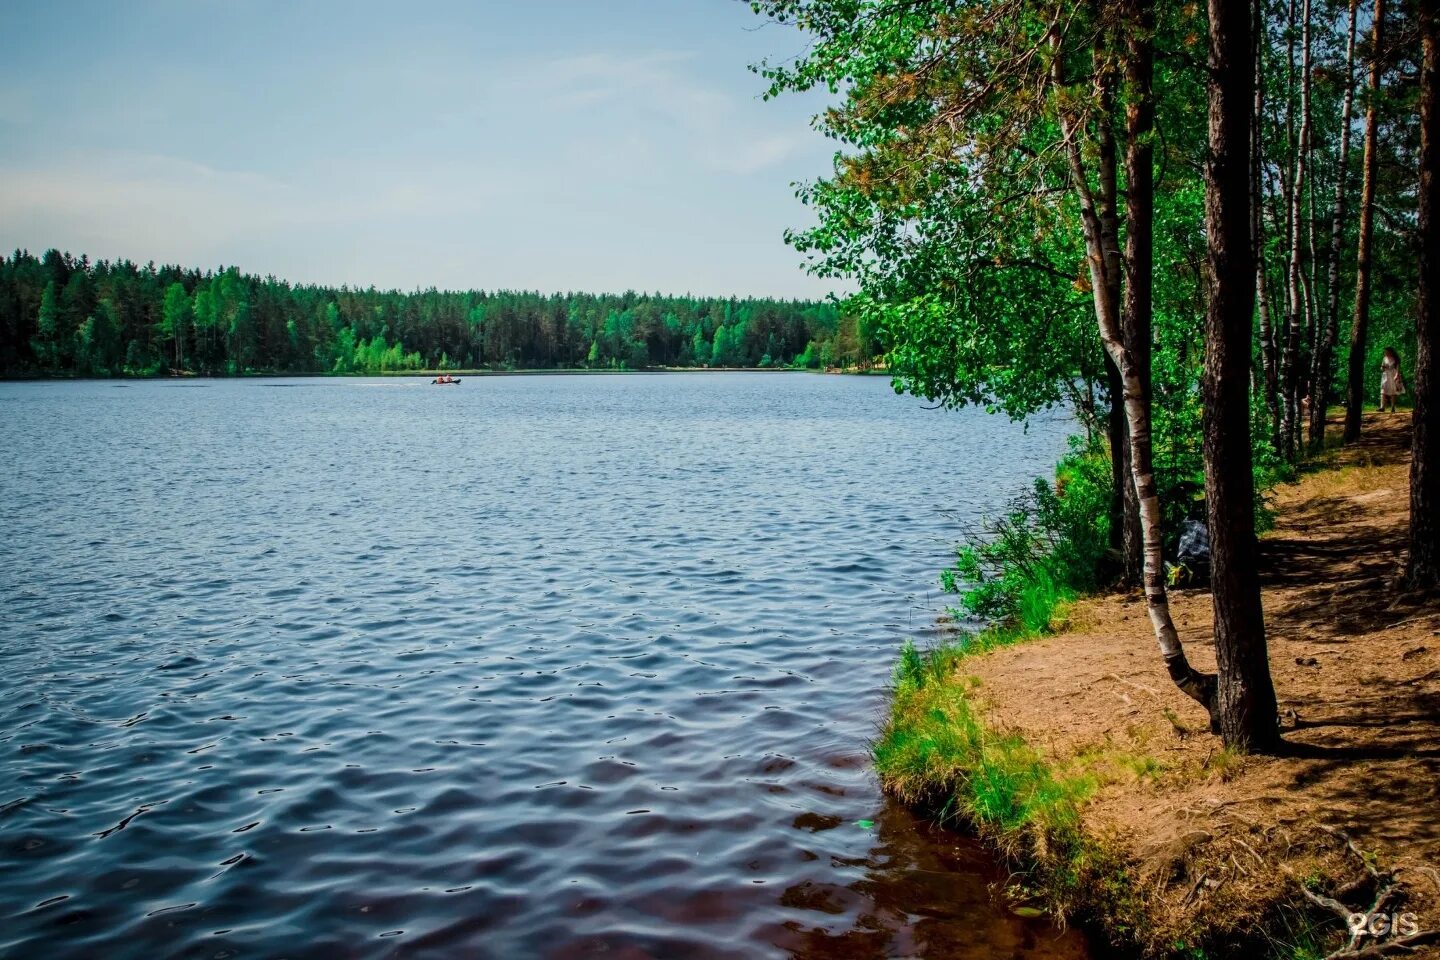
x,y
66,316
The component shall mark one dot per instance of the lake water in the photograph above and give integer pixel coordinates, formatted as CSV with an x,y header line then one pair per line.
x,y
530,667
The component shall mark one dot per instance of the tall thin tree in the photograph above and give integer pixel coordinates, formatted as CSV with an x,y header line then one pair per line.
x,y
1424,563
1245,698
1269,362
1322,369
1360,326
1104,261
1297,310
1136,314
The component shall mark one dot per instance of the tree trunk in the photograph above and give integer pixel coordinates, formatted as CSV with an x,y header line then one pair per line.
x,y
1107,200
1245,698
1360,327
1424,566
1285,178
1118,439
1295,295
1322,371
1123,509
1136,312
1199,686
1268,360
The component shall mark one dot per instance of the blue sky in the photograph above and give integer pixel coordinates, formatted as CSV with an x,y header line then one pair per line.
x,y
536,144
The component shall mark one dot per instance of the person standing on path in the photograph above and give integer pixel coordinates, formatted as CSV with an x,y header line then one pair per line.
x,y
1392,381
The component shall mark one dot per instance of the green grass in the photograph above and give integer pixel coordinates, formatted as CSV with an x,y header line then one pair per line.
x,y
936,750
935,740
1039,602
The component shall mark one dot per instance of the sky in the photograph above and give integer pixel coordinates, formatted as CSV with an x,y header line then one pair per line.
x,y
555,145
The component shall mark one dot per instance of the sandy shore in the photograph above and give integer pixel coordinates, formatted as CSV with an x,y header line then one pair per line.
x,y
1216,849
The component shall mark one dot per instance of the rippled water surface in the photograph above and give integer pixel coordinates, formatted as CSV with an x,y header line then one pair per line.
x,y
529,667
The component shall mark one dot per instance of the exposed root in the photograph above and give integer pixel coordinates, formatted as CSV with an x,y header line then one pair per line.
x,y
1386,939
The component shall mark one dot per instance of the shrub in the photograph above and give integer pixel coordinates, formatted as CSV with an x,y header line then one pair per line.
x,y
1045,550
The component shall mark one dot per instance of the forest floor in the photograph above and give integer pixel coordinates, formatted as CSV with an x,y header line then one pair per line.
x,y
1220,845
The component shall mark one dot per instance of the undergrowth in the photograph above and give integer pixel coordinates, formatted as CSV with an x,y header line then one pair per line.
x,y
936,751
1017,571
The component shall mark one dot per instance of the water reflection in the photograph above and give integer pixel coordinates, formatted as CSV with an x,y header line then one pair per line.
x,y
923,892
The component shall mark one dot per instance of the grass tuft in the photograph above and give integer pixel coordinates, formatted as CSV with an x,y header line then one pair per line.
x,y
936,751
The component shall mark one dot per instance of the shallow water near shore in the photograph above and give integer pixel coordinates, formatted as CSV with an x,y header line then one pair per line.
x,y
531,667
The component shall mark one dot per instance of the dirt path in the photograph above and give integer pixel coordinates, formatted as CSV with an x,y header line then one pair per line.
x,y
1220,839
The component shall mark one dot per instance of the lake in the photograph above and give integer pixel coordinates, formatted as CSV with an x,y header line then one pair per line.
x,y
555,666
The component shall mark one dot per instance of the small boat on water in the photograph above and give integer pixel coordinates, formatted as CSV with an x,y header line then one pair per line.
x,y
445,381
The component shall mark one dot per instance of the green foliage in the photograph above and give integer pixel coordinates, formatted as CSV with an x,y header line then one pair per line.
x,y
951,208
233,323
951,220
1045,550
46,344
97,343
176,320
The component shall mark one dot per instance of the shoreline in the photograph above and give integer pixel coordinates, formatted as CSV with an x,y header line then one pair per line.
x,y
1073,756
541,372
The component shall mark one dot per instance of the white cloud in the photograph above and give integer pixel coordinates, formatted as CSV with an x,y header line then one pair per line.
x,y
718,131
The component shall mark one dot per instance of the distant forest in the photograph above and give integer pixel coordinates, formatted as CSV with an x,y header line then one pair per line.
x,y
62,316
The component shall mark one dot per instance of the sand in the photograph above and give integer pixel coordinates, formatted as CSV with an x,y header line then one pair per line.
x,y
1219,840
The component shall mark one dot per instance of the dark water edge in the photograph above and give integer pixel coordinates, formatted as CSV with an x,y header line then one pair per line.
x,y
555,667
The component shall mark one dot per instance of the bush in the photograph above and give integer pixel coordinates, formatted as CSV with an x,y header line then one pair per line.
x,y
1045,550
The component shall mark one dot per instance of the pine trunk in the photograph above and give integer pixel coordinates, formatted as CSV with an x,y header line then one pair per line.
x,y
1322,371
1245,697
1424,565
1360,326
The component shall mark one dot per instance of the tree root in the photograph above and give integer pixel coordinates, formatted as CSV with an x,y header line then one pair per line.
x,y
1358,920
